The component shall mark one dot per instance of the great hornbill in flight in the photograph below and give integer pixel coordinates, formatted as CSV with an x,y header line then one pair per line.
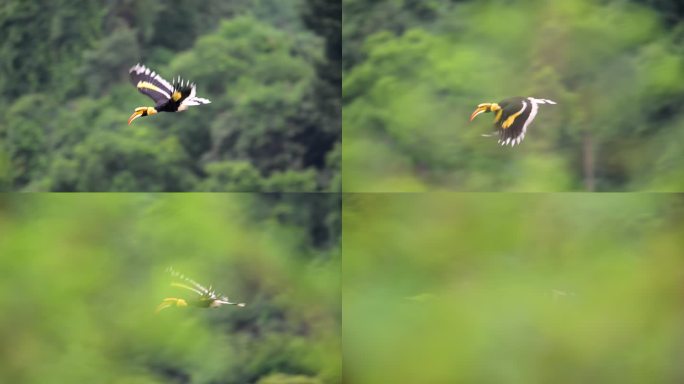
x,y
167,97
513,116
207,297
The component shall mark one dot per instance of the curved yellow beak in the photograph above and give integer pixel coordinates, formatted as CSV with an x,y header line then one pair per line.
x,y
135,115
480,108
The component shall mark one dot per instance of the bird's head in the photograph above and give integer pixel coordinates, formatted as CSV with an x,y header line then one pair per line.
x,y
141,111
485,107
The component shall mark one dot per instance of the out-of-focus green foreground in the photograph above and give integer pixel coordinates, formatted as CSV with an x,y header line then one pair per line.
x,y
513,288
82,275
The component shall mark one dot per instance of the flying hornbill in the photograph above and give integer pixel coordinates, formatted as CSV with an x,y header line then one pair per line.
x,y
513,116
208,298
168,98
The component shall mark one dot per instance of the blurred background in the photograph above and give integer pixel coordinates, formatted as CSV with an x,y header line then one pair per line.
x,y
82,276
272,69
491,288
415,70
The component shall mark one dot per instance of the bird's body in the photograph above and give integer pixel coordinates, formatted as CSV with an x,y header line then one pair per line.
x,y
513,117
207,297
168,97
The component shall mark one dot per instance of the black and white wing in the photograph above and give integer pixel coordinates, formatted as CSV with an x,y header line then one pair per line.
x,y
516,118
194,286
150,83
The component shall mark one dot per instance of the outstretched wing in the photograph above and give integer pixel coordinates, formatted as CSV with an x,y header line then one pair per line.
x,y
512,121
150,83
208,296
197,287
516,119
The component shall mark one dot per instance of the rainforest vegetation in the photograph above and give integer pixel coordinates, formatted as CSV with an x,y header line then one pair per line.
x,y
83,274
272,69
415,70
512,288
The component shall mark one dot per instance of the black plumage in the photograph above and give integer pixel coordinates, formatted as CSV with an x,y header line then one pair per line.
x,y
512,117
168,97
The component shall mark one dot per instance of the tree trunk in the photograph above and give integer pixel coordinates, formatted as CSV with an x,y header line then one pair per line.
x,y
588,162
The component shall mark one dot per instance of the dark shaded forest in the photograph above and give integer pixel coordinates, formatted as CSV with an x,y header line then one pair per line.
x,y
415,70
271,68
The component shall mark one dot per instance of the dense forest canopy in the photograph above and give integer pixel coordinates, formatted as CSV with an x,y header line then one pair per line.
x,y
270,68
414,70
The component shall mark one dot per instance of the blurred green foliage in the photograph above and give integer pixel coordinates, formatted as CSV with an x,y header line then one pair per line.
x,y
266,65
414,71
512,288
82,276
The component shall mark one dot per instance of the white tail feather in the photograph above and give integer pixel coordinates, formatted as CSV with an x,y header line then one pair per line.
x,y
195,101
541,101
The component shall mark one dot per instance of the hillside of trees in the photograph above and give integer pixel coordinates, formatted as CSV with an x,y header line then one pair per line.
x,y
271,69
415,70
